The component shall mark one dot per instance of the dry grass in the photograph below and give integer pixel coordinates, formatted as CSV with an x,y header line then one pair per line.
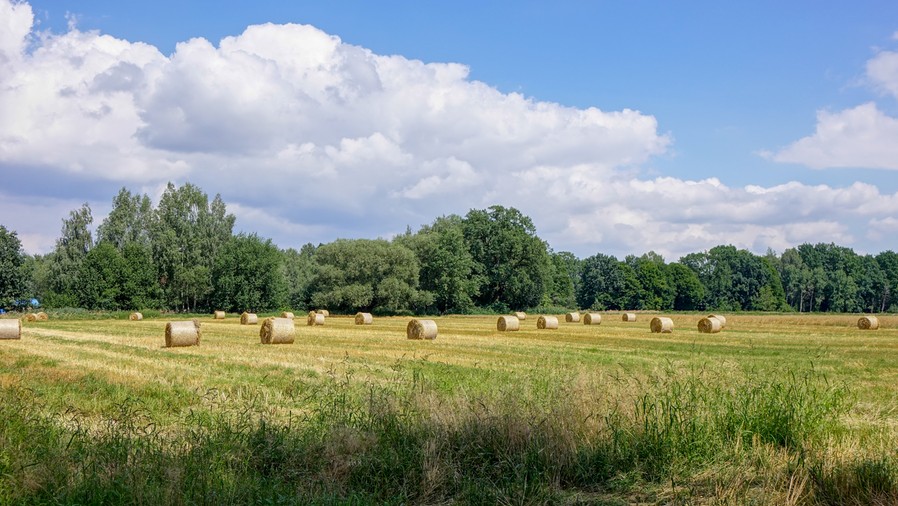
x,y
600,368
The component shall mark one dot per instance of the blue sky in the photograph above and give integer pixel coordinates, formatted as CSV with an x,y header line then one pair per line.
x,y
729,87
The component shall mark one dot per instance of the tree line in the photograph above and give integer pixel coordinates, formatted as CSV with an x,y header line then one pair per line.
x,y
183,255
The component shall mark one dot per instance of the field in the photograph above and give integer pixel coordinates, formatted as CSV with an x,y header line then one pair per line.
x,y
776,409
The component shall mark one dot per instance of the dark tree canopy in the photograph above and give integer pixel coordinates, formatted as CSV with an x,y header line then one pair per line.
x,y
511,261
182,255
248,275
12,279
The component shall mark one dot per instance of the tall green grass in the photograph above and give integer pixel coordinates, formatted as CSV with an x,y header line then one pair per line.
x,y
401,443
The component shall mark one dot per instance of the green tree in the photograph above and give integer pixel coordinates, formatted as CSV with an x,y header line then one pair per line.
x,y
36,274
248,276
186,233
690,294
72,248
129,221
140,286
606,283
656,289
12,259
513,263
447,267
99,281
734,279
299,270
564,279
833,280
888,263
367,275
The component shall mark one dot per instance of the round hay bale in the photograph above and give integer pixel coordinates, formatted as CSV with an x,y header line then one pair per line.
x,y
218,315
31,317
287,314
710,325
315,319
592,319
628,317
521,315
183,333
421,329
136,316
277,331
11,329
572,317
721,318
868,322
325,312
662,325
508,324
42,316
547,322
249,318
364,319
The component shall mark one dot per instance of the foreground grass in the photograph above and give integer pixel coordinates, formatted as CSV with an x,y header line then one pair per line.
x,y
777,410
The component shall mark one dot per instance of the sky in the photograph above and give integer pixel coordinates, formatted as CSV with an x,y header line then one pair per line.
x,y
618,127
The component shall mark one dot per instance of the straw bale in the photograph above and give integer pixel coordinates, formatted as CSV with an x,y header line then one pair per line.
x,y
11,329
136,316
42,316
508,323
710,325
592,319
572,317
287,314
249,318
722,318
315,319
364,319
325,312
218,315
421,329
868,322
628,317
277,331
31,317
547,322
521,315
662,325
182,333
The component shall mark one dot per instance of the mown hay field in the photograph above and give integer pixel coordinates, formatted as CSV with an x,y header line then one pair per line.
x,y
775,409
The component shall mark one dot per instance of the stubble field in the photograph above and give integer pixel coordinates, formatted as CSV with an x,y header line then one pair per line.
x,y
776,409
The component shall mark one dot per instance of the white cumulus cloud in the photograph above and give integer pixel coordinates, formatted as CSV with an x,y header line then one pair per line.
x,y
858,137
308,139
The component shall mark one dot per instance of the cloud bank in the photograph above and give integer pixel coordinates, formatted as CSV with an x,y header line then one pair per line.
x,y
308,139
862,136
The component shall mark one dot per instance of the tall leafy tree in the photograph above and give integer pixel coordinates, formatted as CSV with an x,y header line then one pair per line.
x,y
99,281
140,286
606,283
299,270
447,267
736,279
690,294
128,222
186,233
247,275
657,291
512,261
72,248
888,263
12,279
564,279
367,275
